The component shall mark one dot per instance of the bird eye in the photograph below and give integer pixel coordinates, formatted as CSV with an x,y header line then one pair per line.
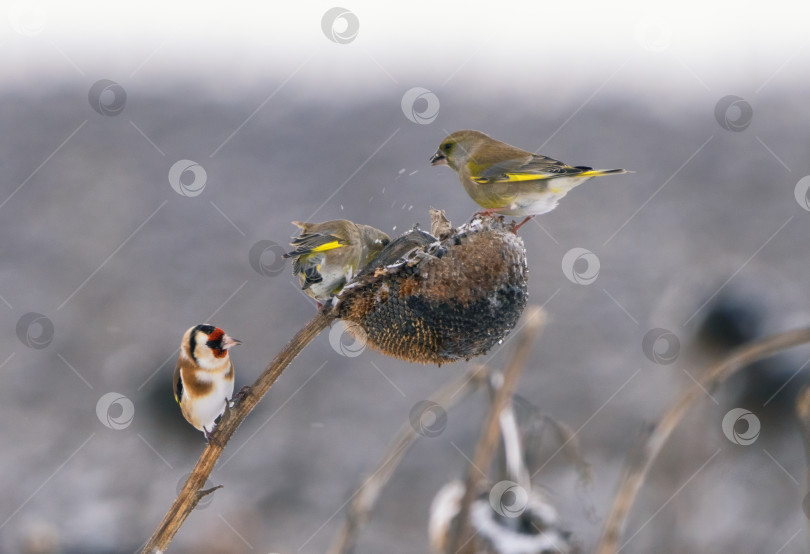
x,y
447,146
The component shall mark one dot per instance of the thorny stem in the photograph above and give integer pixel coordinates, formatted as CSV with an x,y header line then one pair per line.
x,y
191,492
654,438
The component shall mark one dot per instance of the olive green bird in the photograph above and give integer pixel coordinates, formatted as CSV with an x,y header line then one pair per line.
x,y
506,180
328,254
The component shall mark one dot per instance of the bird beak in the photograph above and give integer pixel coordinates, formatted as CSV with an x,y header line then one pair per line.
x,y
228,342
438,159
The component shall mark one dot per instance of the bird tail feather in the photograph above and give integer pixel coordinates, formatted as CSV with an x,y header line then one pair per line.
x,y
600,172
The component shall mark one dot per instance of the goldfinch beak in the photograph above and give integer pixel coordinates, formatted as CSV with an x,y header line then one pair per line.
x,y
438,159
228,342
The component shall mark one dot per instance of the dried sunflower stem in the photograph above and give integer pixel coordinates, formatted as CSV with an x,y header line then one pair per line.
x,y
803,414
460,533
363,502
655,437
191,492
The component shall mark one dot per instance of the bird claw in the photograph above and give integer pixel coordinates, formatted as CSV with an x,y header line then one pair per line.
x,y
209,436
488,212
241,395
519,225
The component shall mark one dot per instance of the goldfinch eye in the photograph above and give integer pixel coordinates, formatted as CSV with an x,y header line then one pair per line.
x,y
447,147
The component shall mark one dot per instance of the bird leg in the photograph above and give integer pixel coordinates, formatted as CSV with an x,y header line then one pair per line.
x,y
519,225
209,435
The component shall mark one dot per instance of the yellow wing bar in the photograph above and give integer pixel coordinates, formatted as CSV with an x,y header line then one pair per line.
x,y
516,177
328,246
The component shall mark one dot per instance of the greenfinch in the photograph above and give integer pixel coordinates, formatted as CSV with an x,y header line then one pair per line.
x,y
328,254
506,180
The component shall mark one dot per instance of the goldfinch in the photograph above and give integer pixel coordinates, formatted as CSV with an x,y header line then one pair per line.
x,y
328,254
506,180
203,378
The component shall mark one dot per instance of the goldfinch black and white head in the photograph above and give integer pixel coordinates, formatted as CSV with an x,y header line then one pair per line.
x,y
203,378
328,254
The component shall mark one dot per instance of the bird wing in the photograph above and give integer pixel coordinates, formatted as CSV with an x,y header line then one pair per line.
x,y
533,168
312,243
307,244
178,384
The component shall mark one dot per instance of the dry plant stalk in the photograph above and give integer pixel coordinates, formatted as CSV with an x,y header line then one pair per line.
x,y
359,511
803,414
463,296
460,533
653,439
191,492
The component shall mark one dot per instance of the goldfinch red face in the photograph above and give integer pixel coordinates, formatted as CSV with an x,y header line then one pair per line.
x,y
208,345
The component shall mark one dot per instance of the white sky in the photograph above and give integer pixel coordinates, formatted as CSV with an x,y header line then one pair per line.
x,y
506,44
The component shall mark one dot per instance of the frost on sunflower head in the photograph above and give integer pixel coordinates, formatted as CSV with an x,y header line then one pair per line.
x,y
442,296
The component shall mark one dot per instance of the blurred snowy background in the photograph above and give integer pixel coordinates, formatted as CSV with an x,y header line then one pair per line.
x,y
292,111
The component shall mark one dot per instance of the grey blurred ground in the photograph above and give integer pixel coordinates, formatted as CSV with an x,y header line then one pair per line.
x,y
95,239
